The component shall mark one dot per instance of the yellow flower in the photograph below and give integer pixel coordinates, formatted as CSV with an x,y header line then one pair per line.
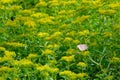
x,y
114,5
116,27
54,36
85,53
93,33
94,43
109,78
76,41
56,46
68,40
15,7
86,1
2,49
107,34
5,69
46,20
70,51
68,58
6,59
31,56
52,46
43,34
26,12
115,60
82,64
72,33
107,12
39,15
54,70
23,19
62,12
81,75
44,68
53,3
30,23
2,7
16,79
10,54
41,3
68,3
11,23
81,19
47,52
15,44
7,1
69,74
2,78
84,32
23,63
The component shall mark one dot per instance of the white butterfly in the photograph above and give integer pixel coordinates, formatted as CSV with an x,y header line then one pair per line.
x,y
82,47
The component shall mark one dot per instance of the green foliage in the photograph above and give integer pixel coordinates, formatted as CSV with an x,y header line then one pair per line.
x,y
39,39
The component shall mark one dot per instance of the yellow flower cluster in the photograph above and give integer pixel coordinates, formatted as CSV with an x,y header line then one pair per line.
x,y
76,41
11,23
68,58
72,33
23,63
7,1
5,69
9,54
107,12
81,19
47,68
69,74
71,51
26,12
68,40
115,60
30,24
2,48
2,7
39,15
82,64
15,7
83,33
2,78
67,3
6,59
116,27
41,4
54,36
107,34
114,5
43,34
16,44
48,52
81,75
54,30
109,77
54,3
46,20
52,46
31,56
85,53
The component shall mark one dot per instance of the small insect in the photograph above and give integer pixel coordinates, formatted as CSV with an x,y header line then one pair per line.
x,y
12,18
82,47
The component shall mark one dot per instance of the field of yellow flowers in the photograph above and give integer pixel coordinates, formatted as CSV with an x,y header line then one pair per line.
x,y
59,39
